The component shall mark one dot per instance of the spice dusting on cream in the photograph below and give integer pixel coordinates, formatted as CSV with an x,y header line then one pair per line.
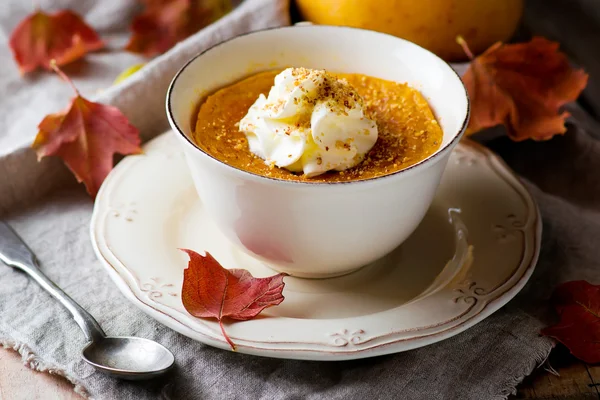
x,y
407,131
311,122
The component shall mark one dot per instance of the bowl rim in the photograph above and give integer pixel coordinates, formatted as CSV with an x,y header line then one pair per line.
x,y
410,169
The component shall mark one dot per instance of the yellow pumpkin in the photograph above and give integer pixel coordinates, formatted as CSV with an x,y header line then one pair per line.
x,y
433,24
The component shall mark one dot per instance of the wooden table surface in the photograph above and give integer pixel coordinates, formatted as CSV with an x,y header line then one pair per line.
x,y
577,381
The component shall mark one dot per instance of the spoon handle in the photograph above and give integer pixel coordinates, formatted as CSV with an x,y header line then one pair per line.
x,y
14,252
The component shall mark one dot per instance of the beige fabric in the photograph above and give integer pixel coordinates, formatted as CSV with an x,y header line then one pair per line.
x,y
141,98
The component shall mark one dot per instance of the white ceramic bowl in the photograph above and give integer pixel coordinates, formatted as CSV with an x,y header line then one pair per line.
x,y
317,229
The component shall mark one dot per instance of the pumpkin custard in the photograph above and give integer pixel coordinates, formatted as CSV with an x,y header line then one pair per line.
x,y
316,126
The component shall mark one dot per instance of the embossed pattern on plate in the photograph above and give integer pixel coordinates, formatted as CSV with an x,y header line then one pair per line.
x,y
473,252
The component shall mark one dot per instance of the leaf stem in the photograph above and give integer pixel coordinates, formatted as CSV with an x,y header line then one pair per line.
x,y
463,43
63,76
226,335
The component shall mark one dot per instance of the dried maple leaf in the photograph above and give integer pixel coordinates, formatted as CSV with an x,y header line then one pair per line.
x,y
86,135
166,22
41,37
578,305
522,86
211,291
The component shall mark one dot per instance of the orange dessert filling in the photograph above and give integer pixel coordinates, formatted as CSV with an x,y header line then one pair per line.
x,y
407,129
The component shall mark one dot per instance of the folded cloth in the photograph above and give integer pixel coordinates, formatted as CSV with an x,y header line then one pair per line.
x,y
29,98
484,362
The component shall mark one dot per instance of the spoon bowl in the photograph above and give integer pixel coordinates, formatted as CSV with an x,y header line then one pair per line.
x,y
129,358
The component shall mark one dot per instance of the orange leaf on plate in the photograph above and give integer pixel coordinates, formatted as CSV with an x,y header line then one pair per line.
x,y
522,86
211,291
86,136
578,305
166,22
63,37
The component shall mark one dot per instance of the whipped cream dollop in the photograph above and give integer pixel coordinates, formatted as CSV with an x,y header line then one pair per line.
x,y
310,122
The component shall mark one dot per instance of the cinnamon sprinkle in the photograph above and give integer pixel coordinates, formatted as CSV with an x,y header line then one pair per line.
x,y
407,129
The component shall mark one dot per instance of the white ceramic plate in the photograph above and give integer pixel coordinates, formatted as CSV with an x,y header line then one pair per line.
x,y
474,251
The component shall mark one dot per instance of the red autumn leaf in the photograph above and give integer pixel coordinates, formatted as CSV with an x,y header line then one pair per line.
x,y
211,291
41,37
578,305
522,86
166,22
86,135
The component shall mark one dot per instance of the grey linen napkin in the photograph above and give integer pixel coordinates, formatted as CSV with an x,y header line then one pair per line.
x,y
52,215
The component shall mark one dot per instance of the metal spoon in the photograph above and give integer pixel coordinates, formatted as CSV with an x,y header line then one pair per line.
x,y
123,357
